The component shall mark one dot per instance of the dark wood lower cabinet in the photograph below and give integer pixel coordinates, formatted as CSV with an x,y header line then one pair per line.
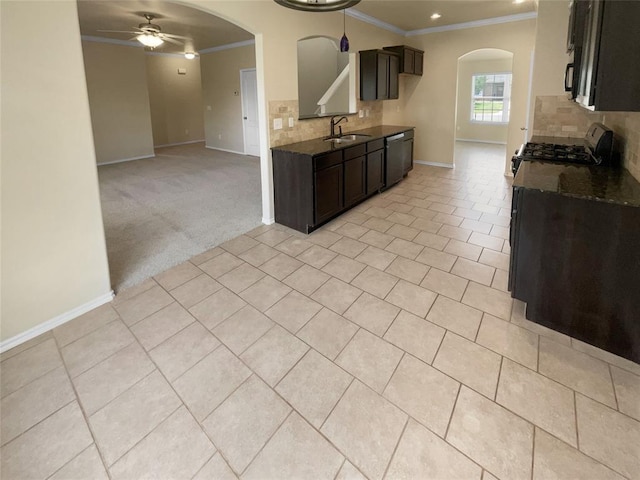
x,y
375,171
576,263
310,190
355,180
328,187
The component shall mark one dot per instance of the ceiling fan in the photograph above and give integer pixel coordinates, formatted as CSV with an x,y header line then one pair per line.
x,y
150,35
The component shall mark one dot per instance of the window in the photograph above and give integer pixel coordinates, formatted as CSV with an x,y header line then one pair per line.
x,y
490,97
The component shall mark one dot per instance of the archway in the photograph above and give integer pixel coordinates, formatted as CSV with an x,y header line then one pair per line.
x,y
483,107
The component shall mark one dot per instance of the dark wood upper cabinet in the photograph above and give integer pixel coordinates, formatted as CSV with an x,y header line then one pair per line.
x,y
411,59
606,61
379,71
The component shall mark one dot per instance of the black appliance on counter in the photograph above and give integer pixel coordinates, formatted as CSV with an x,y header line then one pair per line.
x,y
596,148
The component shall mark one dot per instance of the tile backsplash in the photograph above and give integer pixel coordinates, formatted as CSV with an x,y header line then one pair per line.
x,y
315,127
557,116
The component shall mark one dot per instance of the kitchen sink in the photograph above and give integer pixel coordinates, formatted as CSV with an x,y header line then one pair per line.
x,y
347,138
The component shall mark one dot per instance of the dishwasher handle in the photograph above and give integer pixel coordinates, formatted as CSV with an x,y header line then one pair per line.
x,y
395,137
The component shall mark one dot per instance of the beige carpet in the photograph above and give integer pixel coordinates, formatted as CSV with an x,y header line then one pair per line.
x,y
161,211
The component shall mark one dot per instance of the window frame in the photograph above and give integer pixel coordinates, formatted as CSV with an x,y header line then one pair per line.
x,y
506,98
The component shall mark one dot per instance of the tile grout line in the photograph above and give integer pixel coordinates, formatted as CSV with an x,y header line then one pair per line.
x,y
613,387
533,453
395,449
392,374
495,394
453,411
205,463
575,418
82,409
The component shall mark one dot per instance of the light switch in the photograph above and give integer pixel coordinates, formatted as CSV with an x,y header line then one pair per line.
x,y
277,124
209,108
360,113
290,121
182,71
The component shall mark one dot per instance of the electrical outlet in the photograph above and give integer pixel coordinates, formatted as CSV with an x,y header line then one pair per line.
x,y
291,122
209,108
361,114
219,136
277,124
186,131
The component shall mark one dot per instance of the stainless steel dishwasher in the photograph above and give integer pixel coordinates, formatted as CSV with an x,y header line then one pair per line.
x,y
394,169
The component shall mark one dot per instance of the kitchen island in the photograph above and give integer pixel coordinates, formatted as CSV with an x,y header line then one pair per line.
x,y
575,252
316,180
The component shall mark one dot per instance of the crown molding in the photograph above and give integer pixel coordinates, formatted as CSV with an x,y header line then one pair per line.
x,y
228,46
164,54
476,23
445,28
374,21
114,41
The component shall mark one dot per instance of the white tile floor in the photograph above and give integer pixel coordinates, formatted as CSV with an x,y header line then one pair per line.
x,y
385,345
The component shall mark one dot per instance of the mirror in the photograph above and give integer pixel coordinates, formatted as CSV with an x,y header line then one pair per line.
x,y
326,78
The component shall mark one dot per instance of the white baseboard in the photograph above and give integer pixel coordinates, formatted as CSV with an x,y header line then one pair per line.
x,y
480,141
179,143
224,150
126,160
268,221
434,164
54,322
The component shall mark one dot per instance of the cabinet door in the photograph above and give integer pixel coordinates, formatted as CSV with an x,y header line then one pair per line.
x,y
394,71
328,187
354,180
417,63
408,65
382,92
407,156
375,172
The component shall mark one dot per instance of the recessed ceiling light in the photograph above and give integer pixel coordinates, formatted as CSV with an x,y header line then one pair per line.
x,y
435,16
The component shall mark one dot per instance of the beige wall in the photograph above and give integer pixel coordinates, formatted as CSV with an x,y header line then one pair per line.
x,y
119,101
465,128
175,100
222,108
53,248
430,104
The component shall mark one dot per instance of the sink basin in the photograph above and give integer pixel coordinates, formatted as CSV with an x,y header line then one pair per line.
x,y
352,137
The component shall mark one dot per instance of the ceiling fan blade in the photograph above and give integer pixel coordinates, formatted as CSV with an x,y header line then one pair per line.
x,y
175,36
171,40
118,31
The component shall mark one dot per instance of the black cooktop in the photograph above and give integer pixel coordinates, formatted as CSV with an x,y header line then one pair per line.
x,y
557,153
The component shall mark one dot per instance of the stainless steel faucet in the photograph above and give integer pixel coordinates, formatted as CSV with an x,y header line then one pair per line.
x,y
334,123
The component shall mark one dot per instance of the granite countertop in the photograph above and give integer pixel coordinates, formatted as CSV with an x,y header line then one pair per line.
x,y
603,184
317,146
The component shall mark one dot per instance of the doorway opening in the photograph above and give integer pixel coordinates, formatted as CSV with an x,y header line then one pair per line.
x,y
483,108
195,181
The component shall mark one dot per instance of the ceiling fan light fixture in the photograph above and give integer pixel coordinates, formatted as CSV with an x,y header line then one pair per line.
x,y
317,5
189,55
149,40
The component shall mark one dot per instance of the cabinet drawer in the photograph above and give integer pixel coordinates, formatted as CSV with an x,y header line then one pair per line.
x,y
327,160
375,145
353,152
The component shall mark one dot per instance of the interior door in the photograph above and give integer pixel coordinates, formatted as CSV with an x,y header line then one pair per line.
x,y
250,128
